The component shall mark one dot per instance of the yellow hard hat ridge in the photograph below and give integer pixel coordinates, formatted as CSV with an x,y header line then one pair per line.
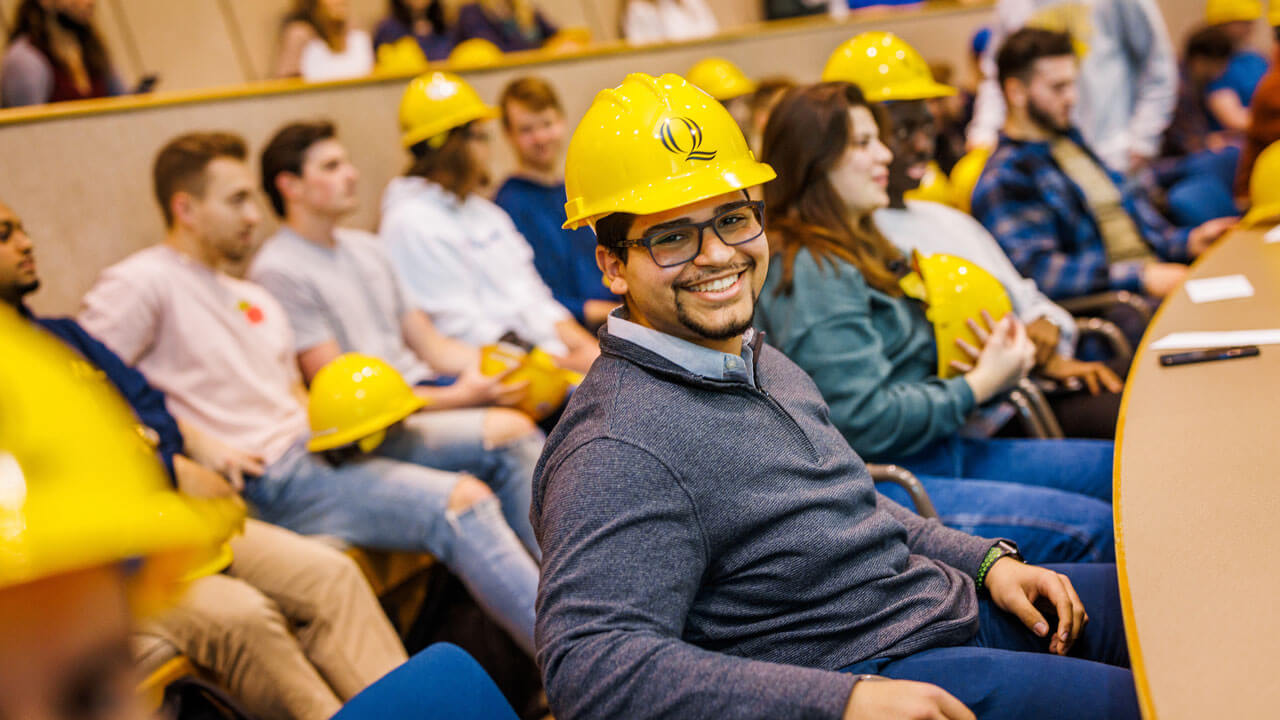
x,y
354,399
81,488
437,102
548,383
654,144
884,67
720,78
1217,12
955,291
1264,188
475,53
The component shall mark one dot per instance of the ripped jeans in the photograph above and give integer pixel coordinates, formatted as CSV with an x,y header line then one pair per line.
x,y
397,499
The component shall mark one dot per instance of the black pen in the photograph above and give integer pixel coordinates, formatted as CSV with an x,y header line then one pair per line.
x,y
1199,356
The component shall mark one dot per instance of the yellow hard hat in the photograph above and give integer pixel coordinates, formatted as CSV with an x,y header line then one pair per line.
x,y
955,291
568,40
1217,12
1273,13
654,144
475,53
354,399
965,175
720,78
1264,188
436,103
548,384
403,56
884,67
934,187
80,487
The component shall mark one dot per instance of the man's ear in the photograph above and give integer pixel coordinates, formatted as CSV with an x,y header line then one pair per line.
x,y
611,267
1015,92
287,184
181,207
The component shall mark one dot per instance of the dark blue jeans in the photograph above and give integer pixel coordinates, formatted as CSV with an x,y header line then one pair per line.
x,y
439,682
1074,465
1006,671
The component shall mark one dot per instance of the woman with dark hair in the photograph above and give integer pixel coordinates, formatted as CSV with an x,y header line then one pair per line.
x,y
833,304
317,43
510,24
55,54
422,20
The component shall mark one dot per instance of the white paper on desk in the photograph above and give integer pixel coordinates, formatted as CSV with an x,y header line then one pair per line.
x,y
1228,338
1227,287
1273,235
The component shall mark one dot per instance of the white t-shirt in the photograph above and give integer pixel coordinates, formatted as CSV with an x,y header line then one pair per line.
x,y
668,20
935,228
320,62
347,293
465,264
220,348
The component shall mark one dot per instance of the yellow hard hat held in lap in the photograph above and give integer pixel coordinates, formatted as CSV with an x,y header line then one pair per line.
x,y
653,144
954,291
79,485
549,384
354,399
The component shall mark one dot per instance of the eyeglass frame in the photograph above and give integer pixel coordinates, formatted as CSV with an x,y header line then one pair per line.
x,y
647,239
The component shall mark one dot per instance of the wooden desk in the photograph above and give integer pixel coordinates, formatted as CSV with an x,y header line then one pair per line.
x,y
1197,506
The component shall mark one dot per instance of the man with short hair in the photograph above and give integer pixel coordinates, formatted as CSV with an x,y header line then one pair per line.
x,y
341,295
533,122
1061,215
222,350
238,624
712,547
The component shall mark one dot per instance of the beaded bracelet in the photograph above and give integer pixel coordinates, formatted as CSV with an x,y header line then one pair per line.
x,y
993,555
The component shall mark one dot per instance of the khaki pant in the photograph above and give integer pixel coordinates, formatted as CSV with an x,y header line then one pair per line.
x,y
292,628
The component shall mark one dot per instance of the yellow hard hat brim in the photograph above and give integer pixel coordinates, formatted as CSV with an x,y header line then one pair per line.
x,y
371,425
447,123
1261,215
923,90
707,181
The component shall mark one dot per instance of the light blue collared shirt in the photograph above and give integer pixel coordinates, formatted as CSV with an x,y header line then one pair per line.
x,y
699,360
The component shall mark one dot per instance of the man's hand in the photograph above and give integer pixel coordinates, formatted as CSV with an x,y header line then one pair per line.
x,y
1016,588
1071,372
1160,279
475,389
199,481
1207,233
222,458
1045,336
884,699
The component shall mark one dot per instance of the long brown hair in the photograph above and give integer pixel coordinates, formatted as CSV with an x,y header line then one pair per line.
x,y
451,165
32,20
807,134
331,31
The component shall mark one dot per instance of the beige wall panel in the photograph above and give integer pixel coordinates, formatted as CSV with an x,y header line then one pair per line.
x,y
6,16
187,43
734,13
111,24
258,22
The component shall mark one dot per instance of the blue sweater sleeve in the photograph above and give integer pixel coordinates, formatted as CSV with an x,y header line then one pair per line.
x,y
826,327
147,402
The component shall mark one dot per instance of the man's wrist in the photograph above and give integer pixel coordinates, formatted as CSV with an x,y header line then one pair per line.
x,y
1000,550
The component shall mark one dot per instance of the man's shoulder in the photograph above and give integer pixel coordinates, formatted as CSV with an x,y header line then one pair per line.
x,y
151,265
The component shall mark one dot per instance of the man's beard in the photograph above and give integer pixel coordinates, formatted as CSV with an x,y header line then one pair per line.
x,y
723,332
1045,121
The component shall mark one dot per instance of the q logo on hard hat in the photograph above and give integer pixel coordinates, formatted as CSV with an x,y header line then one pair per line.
x,y
675,133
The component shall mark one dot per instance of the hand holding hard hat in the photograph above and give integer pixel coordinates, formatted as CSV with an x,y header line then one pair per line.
x,y
546,384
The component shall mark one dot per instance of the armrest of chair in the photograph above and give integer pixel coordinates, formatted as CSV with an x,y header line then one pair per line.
x,y
1100,302
1034,410
907,481
1120,347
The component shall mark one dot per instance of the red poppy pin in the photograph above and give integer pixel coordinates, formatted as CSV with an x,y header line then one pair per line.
x,y
252,312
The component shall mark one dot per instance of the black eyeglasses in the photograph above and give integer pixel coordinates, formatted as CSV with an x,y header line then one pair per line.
x,y
673,245
8,228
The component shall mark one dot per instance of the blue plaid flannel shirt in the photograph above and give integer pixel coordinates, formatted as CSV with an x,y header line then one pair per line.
x,y
1042,220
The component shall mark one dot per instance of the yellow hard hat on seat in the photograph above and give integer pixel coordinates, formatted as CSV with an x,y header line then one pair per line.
x,y
436,103
1217,12
934,187
955,290
475,53
720,78
354,399
402,56
79,485
654,144
1264,187
548,383
965,176
884,67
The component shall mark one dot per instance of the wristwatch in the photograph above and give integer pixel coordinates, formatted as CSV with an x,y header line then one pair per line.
x,y
1002,549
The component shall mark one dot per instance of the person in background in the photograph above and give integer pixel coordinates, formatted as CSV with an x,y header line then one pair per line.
x,y
1264,120
1063,217
318,43
459,256
643,22
1228,96
55,54
534,124
1205,58
768,92
783,9
512,25
422,20
1128,74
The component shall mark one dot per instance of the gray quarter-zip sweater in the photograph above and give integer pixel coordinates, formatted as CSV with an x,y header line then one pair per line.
x,y
713,548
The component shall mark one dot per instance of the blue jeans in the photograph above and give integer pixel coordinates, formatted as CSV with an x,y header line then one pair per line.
x,y
397,499
442,681
1075,465
1048,525
1006,671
